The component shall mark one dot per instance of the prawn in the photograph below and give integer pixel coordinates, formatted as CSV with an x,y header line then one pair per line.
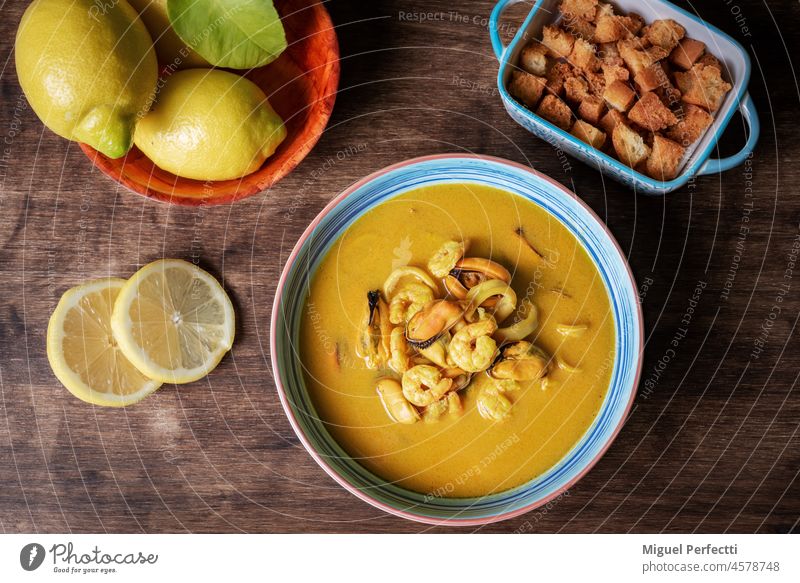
x,y
445,259
424,385
409,300
472,348
493,404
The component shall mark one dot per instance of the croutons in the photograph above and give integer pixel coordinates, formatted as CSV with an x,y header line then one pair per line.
x,y
555,111
702,86
610,120
576,89
663,162
670,96
533,59
604,9
633,24
559,41
640,93
583,56
579,27
651,78
614,70
710,60
686,53
650,113
579,8
557,76
526,88
606,50
619,96
609,28
596,81
637,58
591,109
664,33
691,126
589,134
629,145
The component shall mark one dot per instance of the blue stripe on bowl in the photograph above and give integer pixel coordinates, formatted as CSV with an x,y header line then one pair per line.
x,y
583,225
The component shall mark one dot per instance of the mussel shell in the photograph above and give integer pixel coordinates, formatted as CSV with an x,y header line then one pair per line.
x,y
373,299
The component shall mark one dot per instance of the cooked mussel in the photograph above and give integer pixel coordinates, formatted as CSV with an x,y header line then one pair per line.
x,y
472,271
461,378
427,325
520,361
375,332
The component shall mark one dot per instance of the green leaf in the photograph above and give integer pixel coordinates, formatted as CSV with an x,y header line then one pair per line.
x,y
239,34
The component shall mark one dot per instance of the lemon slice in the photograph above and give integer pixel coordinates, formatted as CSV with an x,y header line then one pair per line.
x,y
173,321
82,351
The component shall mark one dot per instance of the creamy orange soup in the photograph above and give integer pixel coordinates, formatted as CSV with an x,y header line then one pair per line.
x,y
467,454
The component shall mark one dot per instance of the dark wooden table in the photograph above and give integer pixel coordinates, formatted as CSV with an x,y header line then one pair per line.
x,y
711,444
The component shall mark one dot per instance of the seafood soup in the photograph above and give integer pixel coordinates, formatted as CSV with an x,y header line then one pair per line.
x,y
457,340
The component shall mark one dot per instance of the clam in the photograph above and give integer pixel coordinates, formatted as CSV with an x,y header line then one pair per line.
x,y
520,361
472,271
427,325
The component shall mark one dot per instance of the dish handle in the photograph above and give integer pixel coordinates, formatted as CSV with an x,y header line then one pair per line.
x,y
714,165
494,25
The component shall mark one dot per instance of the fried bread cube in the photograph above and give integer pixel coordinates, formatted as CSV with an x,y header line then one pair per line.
x,y
559,41
637,58
703,85
664,33
687,53
589,134
526,88
609,28
583,56
557,76
614,69
603,9
596,81
629,145
633,24
651,114
533,59
666,156
591,109
710,60
576,89
555,111
691,126
579,27
586,9
619,96
651,78
610,120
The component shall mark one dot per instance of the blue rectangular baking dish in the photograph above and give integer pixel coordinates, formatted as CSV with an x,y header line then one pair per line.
x,y
698,160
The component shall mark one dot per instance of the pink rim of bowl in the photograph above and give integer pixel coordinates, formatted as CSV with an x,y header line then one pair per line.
x,y
331,471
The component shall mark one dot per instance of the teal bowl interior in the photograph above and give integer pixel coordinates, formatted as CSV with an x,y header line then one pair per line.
x,y
380,187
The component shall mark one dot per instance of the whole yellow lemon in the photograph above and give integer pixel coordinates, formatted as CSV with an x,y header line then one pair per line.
x,y
209,124
88,70
171,50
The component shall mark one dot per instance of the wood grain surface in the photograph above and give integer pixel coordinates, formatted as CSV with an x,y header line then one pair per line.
x,y
711,444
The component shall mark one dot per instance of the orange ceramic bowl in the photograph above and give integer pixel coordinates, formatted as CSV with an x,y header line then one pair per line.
x,y
301,85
